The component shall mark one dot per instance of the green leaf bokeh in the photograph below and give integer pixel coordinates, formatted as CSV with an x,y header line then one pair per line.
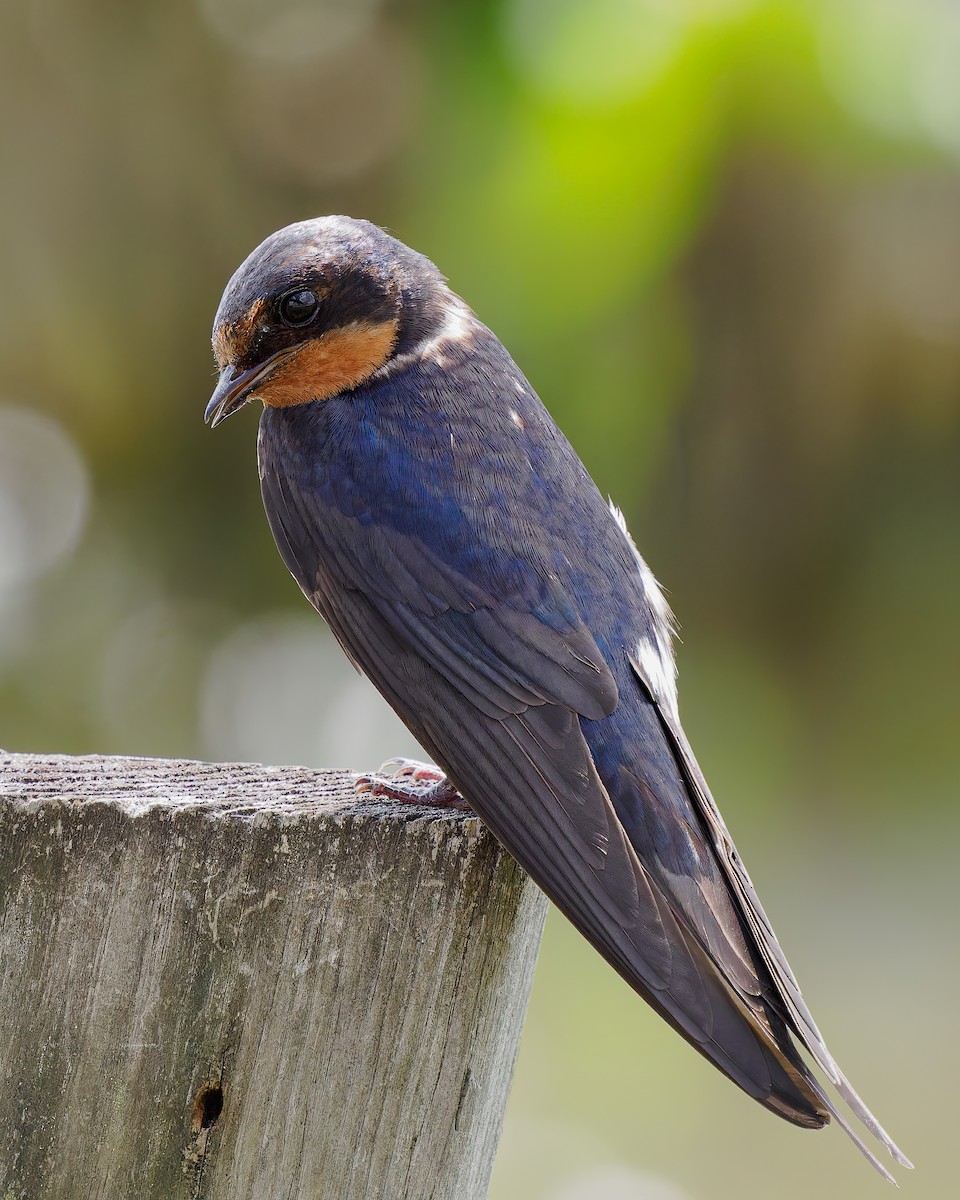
x,y
722,238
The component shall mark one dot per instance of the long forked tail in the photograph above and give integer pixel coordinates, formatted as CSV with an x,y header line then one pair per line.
x,y
804,1026
857,1106
794,1009
798,1014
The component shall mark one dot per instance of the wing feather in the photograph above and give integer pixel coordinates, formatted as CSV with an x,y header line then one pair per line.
x,y
787,997
496,690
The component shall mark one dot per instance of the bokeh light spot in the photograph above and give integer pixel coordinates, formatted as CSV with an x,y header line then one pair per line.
x,y
594,54
615,1182
289,29
894,65
149,671
278,689
44,495
282,110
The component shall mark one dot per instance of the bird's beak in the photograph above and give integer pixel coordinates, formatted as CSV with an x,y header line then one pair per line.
x,y
235,388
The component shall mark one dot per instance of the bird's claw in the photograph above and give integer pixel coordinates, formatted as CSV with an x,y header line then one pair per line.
x,y
409,768
411,782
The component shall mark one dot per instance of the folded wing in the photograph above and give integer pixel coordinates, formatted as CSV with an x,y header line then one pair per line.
x,y
496,682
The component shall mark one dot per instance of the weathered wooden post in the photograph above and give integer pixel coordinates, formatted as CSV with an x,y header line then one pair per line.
x,y
242,983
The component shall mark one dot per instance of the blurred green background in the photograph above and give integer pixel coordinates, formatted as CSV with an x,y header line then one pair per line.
x,y
722,238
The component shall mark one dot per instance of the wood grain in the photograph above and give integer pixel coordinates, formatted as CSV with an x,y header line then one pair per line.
x,y
347,978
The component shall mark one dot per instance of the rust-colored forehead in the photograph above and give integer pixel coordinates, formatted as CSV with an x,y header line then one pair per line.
x,y
231,339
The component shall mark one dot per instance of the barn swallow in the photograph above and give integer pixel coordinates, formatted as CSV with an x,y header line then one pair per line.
x,y
437,518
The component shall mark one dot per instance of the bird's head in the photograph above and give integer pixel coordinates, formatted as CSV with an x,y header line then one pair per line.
x,y
317,309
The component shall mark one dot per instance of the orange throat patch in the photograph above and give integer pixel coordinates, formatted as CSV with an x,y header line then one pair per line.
x,y
331,363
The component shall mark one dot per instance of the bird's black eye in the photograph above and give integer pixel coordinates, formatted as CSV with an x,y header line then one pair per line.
x,y
298,308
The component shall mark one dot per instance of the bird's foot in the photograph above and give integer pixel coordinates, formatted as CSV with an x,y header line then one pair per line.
x,y
412,782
